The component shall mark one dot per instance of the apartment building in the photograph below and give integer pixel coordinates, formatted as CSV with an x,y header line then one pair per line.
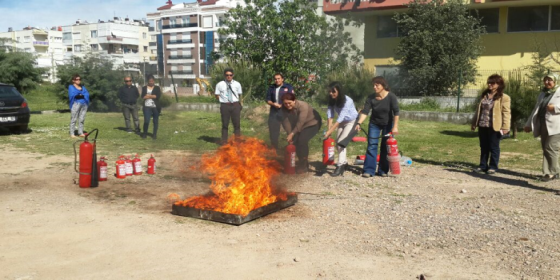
x,y
45,45
125,41
184,36
513,28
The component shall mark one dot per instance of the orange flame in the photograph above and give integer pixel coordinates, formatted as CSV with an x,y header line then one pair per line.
x,y
241,174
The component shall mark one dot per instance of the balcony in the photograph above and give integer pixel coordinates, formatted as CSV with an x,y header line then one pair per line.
x,y
180,72
183,41
180,56
184,25
153,44
41,43
340,6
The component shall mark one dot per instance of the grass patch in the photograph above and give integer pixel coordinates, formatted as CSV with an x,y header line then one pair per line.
x,y
44,98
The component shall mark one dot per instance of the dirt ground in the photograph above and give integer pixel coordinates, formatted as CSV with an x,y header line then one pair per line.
x,y
440,221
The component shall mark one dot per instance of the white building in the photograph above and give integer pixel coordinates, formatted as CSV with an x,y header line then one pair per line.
x,y
184,35
125,41
45,45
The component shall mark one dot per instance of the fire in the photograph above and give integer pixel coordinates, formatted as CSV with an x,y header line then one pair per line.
x,y
241,174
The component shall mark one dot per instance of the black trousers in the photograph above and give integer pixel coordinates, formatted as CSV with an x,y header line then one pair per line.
x,y
150,112
230,111
127,110
489,148
274,124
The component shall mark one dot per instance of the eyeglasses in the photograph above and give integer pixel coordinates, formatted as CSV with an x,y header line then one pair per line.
x,y
492,83
126,81
229,75
77,79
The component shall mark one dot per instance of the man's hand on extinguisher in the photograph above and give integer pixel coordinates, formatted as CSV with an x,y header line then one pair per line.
x,y
290,136
395,130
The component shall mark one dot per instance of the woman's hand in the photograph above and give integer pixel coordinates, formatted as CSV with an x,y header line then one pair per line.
x,y
358,127
290,136
395,130
550,108
504,131
473,127
527,129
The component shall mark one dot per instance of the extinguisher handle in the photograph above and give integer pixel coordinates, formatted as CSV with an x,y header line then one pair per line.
x,y
91,132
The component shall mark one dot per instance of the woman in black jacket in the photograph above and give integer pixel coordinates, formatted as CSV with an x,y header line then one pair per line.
x,y
151,95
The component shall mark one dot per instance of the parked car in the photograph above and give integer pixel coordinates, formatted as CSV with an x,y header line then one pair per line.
x,y
14,112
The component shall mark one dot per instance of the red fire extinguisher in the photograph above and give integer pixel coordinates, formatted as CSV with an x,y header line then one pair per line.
x,y
290,159
128,166
121,168
102,169
328,151
137,164
393,155
152,165
88,162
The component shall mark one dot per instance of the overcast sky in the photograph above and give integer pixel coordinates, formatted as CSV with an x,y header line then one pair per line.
x,y
48,13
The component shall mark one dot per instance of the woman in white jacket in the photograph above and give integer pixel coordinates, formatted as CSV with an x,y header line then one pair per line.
x,y
545,122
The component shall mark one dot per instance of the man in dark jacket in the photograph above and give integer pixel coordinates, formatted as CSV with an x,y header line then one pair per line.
x,y
128,94
274,99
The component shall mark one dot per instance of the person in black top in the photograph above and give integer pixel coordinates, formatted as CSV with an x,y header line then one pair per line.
x,y
128,94
274,100
151,94
384,118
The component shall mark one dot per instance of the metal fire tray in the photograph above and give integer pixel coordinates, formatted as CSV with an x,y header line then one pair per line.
x,y
233,219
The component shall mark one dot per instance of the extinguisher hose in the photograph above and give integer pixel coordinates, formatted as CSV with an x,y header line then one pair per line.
x,y
91,132
76,156
383,136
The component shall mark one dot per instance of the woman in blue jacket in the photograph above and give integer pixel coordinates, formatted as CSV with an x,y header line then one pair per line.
x,y
79,101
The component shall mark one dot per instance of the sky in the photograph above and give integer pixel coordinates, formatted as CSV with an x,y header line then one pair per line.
x,y
48,13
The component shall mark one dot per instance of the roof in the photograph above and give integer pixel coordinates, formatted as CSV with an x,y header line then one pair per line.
x,y
166,7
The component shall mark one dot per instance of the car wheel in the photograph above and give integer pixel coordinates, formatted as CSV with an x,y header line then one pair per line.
x,y
23,128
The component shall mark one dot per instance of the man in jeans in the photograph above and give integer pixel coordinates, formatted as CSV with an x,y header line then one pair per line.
x,y
228,92
128,94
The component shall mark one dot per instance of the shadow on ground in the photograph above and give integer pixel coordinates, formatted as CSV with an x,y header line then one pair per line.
x,y
209,139
464,134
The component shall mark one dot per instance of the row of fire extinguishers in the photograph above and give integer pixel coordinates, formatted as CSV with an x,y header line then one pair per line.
x,y
393,155
92,171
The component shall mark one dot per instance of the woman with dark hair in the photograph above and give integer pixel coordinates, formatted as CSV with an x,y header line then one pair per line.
x,y
79,102
545,122
301,122
493,119
342,105
151,94
384,118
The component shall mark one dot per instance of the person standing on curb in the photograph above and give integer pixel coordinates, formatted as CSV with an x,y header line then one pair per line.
x,y
79,101
228,92
128,94
274,99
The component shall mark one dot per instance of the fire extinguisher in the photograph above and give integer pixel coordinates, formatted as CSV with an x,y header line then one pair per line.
x,y
393,155
328,151
102,169
88,162
290,159
128,166
152,165
137,164
121,168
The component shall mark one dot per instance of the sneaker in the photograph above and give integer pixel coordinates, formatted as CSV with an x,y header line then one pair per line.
x,y
143,136
367,175
382,174
547,178
129,131
154,137
479,170
491,171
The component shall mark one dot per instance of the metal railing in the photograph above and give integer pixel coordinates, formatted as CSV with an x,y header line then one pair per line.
x,y
182,41
153,44
183,25
178,72
180,56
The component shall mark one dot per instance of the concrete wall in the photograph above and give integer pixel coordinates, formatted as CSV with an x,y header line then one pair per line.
x,y
458,118
443,101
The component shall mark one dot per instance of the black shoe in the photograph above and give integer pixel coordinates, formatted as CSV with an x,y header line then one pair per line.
x,y
154,137
143,135
382,174
339,171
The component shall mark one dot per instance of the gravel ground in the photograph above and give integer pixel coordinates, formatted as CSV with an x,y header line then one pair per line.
x,y
440,221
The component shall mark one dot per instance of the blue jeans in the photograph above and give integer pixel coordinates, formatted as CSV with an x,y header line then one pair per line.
x,y
489,146
370,164
150,112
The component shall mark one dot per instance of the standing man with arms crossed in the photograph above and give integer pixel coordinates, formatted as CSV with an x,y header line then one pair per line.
x,y
128,94
228,92
274,99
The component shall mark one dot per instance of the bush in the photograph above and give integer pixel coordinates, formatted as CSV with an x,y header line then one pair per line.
x,y
523,99
165,100
355,80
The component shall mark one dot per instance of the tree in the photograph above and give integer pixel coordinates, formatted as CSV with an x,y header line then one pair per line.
x,y
18,69
98,76
441,41
287,37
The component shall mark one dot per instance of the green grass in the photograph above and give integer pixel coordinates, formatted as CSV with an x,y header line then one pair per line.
x,y
44,98
424,142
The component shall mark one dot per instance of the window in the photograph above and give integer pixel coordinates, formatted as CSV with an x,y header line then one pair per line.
x,y
94,34
489,18
145,48
555,18
172,22
27,50
144,35
78,48
186,20
528,18
207,22
67,36
387,27
94,47
27,38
